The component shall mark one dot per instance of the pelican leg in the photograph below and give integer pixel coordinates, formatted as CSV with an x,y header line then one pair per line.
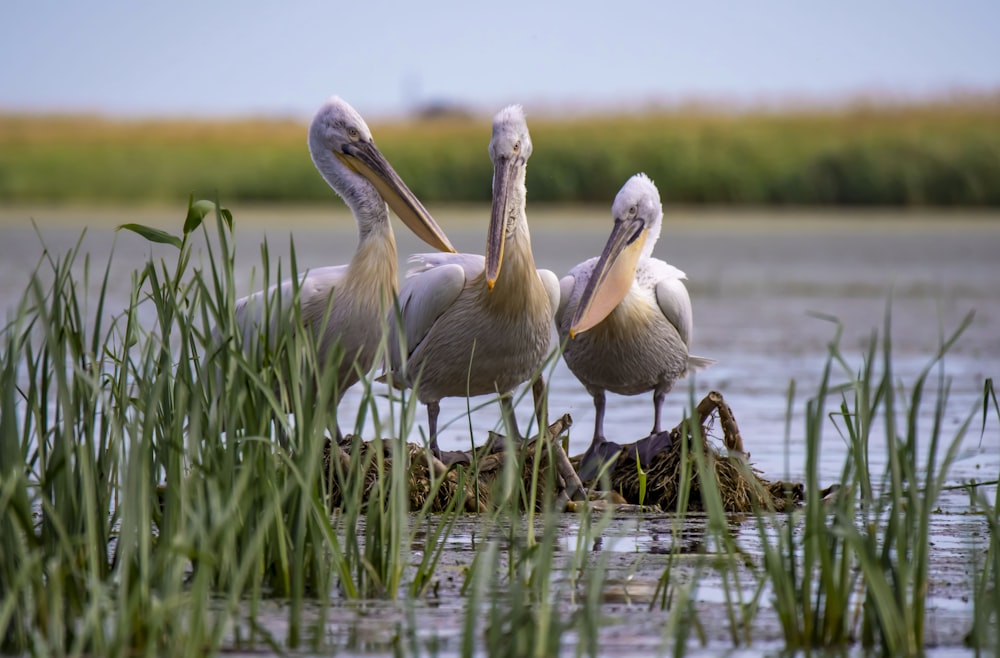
x,y
448,457
507,413
598,416
601,451
658,440
658,396
541,403
341,439
433,409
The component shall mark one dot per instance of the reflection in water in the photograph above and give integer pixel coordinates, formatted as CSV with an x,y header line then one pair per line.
x,y
657,535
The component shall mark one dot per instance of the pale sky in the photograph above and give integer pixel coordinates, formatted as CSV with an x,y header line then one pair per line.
x,y
251,57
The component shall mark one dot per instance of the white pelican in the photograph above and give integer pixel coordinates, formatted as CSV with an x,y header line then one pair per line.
x,y
475,325
625,317
348,303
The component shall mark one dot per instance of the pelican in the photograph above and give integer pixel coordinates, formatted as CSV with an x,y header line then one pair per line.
x,y
346,305
475,325
625,317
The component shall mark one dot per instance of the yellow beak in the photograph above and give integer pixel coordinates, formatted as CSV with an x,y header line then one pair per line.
x,y
365,158
504,175
612,276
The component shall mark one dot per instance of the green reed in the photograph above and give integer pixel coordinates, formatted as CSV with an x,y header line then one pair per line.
x,y
986,582
856,568
807,565
136,491
146,508
720,552
983,634
544,590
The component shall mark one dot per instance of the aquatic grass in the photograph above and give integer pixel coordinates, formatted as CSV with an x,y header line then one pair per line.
x,y
290,358
720,551
808,568
679,597
542,450
728,558
163,474
984,633
377,524
664,589
252,509
143,497
832,559
48,534
592,569
528,609
56,458
380,527
543,593
641,474
373,507
894,562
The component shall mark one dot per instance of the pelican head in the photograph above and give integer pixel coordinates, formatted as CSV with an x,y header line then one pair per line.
x,y
510,148
638,215
345,154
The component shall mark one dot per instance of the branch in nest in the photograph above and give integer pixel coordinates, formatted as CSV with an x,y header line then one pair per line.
x,y
711,403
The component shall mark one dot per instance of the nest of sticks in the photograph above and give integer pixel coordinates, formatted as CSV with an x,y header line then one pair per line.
x,y
691,457
501,472
498,471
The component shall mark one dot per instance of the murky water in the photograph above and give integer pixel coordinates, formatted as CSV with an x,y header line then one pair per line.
x,y
758,281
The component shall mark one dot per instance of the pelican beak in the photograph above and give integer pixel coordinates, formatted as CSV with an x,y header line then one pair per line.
x,y
612,276
365,158
504,175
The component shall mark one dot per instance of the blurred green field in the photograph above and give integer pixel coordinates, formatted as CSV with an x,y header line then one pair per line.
x,y
944,153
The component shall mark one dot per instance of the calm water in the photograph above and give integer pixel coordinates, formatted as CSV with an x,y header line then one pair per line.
x,y
757,281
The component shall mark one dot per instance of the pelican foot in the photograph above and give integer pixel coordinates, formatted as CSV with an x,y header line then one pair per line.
x,y
495,443
449,457
649,447
598,454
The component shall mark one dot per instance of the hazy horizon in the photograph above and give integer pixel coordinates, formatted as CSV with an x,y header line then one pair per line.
x,y
390,59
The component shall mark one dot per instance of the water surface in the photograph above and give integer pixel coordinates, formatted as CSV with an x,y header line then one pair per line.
x,y
761,284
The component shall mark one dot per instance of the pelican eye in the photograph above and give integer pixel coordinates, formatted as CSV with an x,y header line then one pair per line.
x,y
633,211
352,132
517,146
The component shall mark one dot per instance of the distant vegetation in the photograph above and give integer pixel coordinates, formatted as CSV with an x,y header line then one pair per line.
x,y
934,154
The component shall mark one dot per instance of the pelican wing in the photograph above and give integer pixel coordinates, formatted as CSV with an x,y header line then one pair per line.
x,y
566,285
552,288
571,286
675,304
315,288
426,294
471,264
